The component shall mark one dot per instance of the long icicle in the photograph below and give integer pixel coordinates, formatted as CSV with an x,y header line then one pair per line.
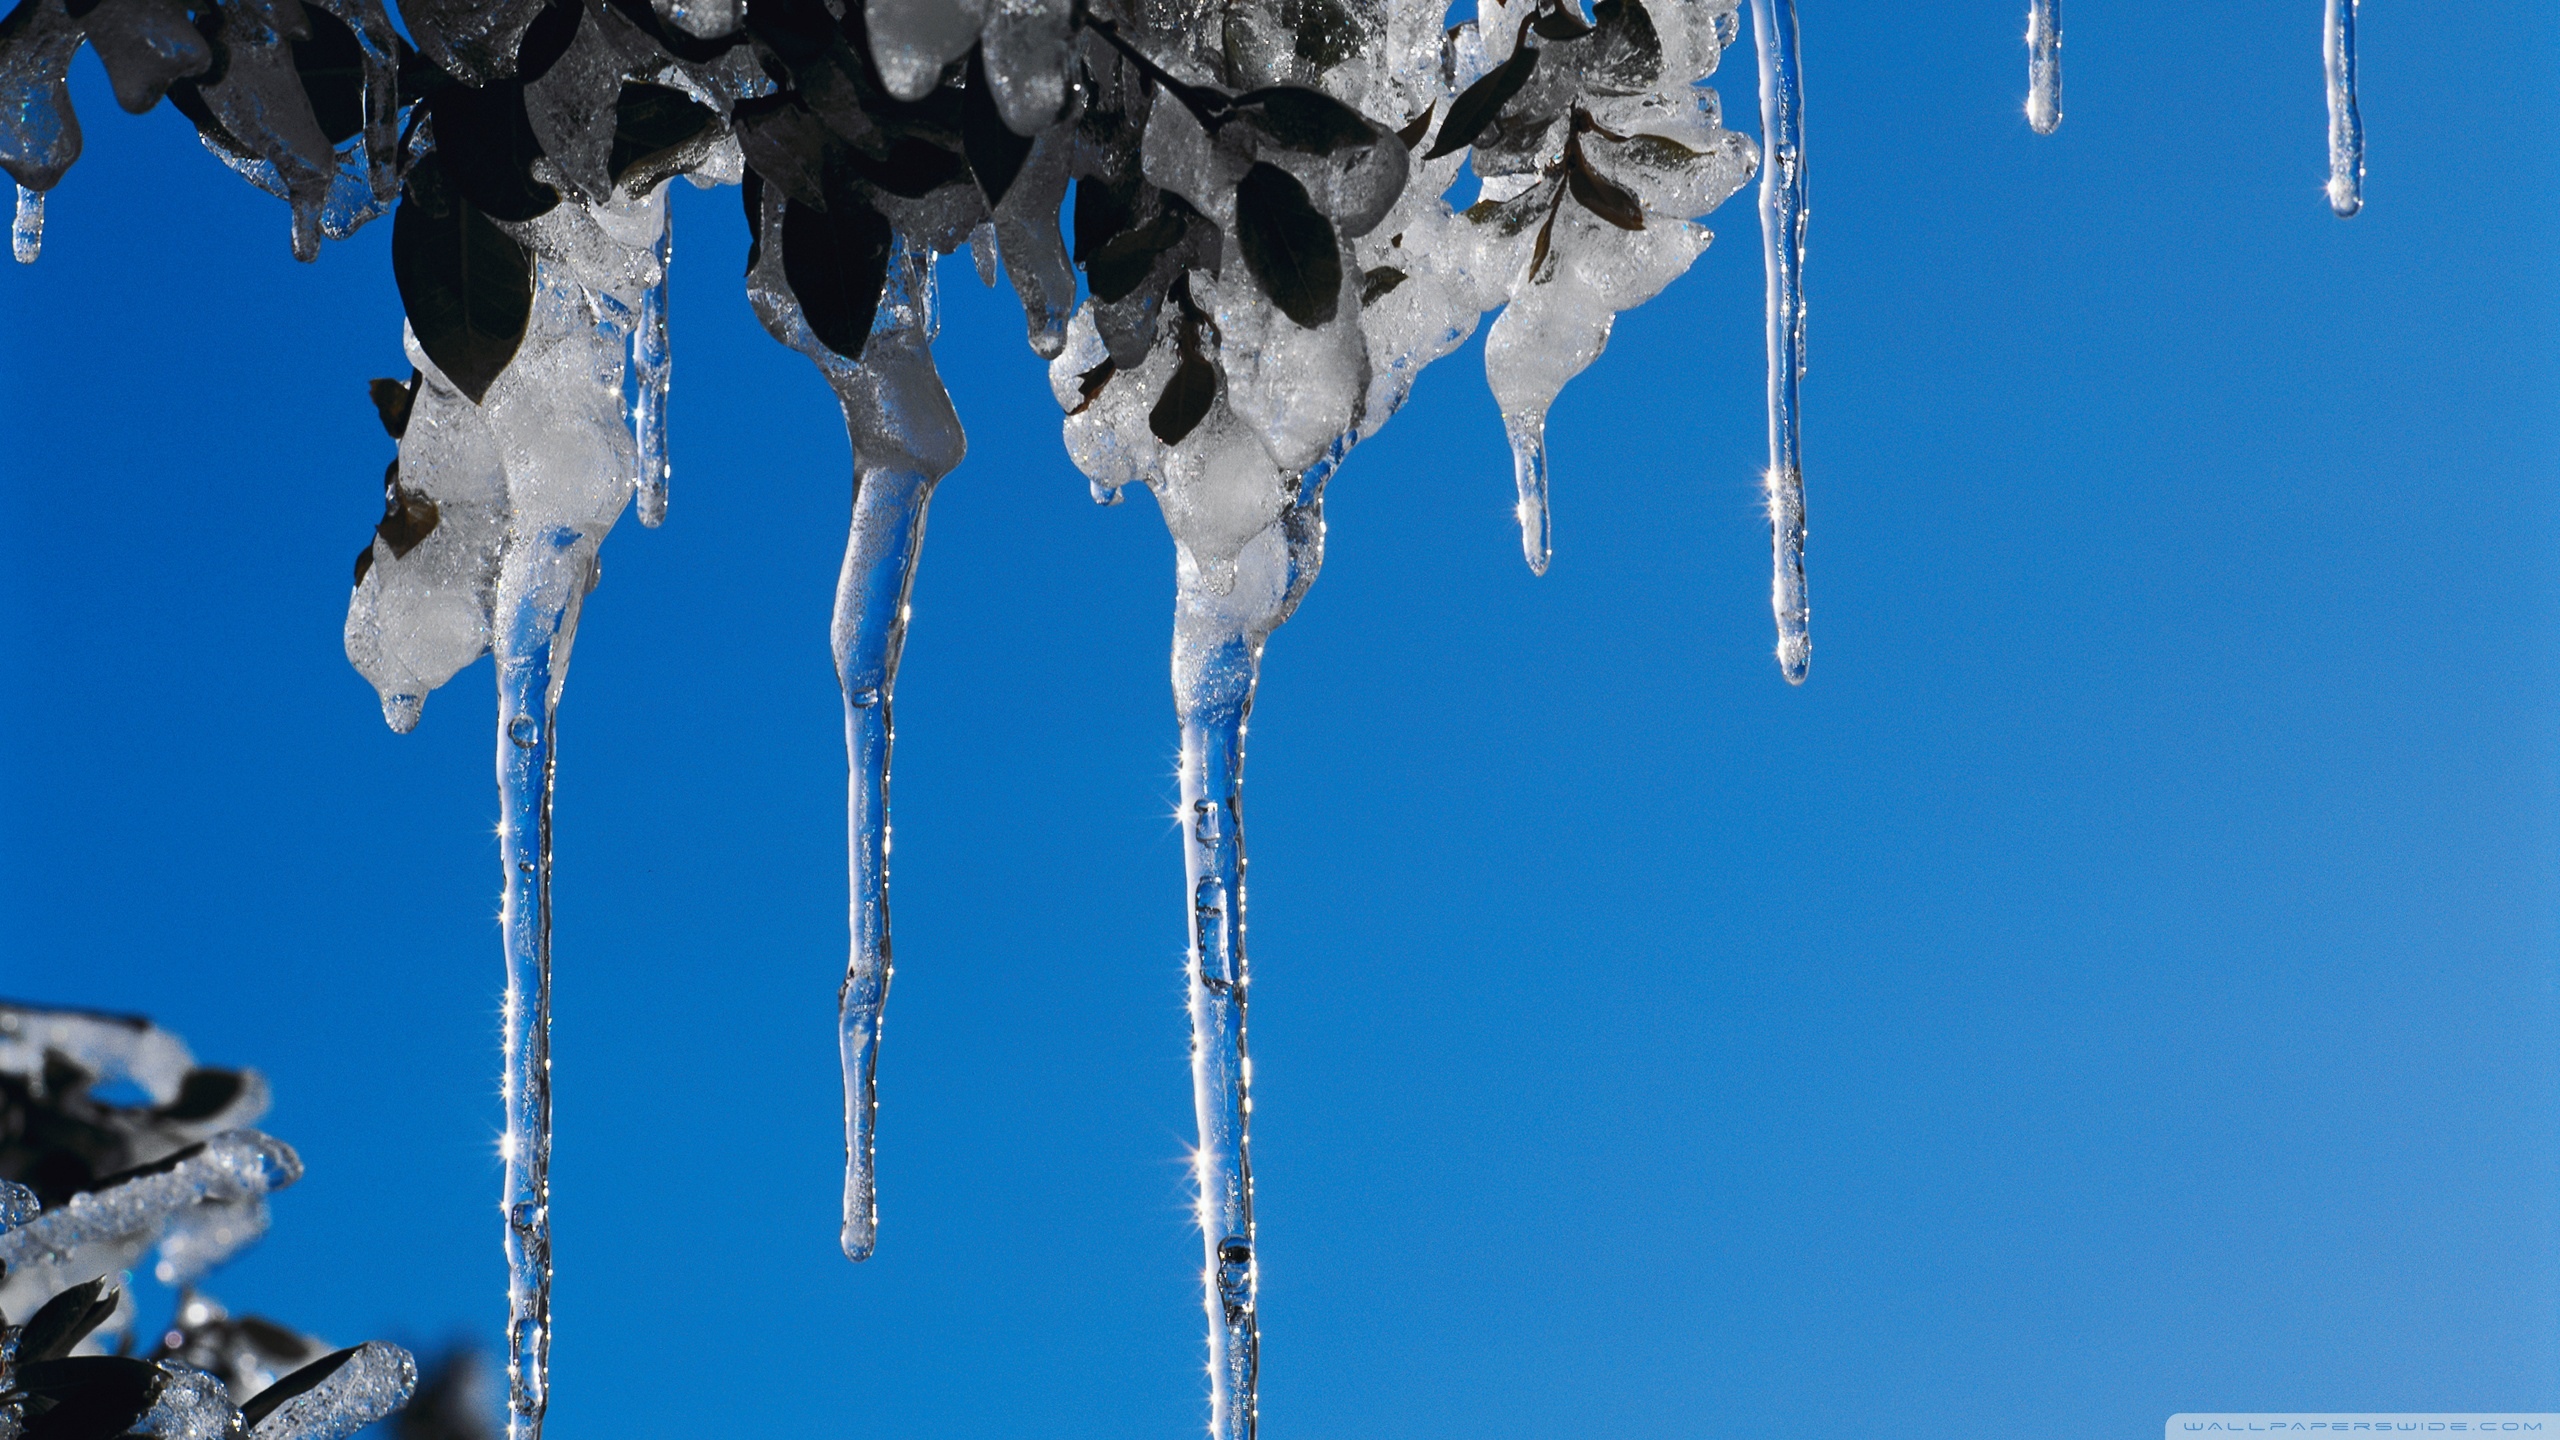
x,y
2346,127
1782,221
537,613
870,632
2044,66
1214,708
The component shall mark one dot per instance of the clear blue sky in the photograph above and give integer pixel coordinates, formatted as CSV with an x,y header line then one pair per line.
x,y
2121,982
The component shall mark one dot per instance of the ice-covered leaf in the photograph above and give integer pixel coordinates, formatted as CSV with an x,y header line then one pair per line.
x,y
1378,282
835,261
1121,265
297,1383
42,138
332,66
1599,194
653,125
1288,246
466,284
995,152
1626,53
488,147
1476,105
146,45
1090,383
1309,121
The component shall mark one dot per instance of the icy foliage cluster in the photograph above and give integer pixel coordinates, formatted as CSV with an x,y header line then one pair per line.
x,y
1239,230
88,1187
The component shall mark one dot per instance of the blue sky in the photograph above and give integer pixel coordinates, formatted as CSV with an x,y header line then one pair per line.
x,y
2120,982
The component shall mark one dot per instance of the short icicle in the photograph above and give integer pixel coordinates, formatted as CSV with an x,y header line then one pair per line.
x,y
1782,224
1528,436
2044,65
26,231
2346,127
651,364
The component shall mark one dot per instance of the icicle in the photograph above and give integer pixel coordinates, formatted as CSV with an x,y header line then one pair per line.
x,y
2346,127
26,233
1528,434
651,363
1213,710
1782,222
905,438
870,632
2044,65
536,607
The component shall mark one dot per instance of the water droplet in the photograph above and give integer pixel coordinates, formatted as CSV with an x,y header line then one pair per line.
x,y
866,697
400,712
524,730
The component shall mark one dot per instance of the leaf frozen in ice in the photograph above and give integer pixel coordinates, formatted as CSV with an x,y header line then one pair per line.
x,y
1288,245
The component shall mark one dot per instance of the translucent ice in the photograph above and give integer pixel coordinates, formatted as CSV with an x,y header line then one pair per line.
x,y
2346,127
1782,224
2044,65
102,1231
108,1047
26,231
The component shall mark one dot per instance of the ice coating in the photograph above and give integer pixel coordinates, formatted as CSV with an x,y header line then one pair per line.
x,y
103,1231
2346,127
2044,66
26,229
372,1382
108,1047
191,1405
1782,225
18,1205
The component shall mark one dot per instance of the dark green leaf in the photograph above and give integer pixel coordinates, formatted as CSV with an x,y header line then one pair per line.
x,y
300,1382
913,167
1103,209
489,148
1186,399
1598,193
1476,106
204,1093
1288,245
62,1321
1379,281
96,1397
364,562
1561,23
407,516
1420,126
547,39
654,121
786,144
1120,267
835,261
1308,121
995,152
331,64
392,401
1090,383
466,284
751,190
